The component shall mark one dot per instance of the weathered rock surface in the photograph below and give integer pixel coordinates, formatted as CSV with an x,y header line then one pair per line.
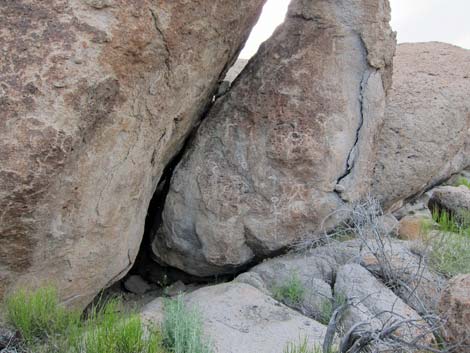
x,y
316,269
96,97
375,304
136,284
455,200
314,274
293,139
238,318
426,136
412,227
455,307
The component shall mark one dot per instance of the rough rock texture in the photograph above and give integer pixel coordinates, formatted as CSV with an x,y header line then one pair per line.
x,y
414,281
96,97
455,200
413,227
293,139
314,273
136,284
374,303
238,318
426,136
316,269
455,306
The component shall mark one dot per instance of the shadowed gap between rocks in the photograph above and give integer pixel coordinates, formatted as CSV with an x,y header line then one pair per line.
x,y
145,265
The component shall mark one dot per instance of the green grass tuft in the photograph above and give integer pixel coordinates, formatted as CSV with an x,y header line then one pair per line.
x,y
291,292
46,327
463,181
448,222
302,347
182,329
329,306
109,329
38,314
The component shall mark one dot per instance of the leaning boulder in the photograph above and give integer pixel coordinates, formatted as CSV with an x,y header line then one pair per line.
x,y
238,318
289,144
426,136
96,98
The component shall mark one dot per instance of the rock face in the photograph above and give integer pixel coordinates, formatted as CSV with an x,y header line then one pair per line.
x,y
291,141
426,136
238,318
455,306
96,98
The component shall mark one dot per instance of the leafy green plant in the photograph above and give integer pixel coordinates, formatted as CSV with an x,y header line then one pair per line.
x,y
182,328
38,314
291,292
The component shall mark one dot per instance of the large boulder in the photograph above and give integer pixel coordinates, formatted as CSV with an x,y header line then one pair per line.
x,y
238,318
426,136
96,98
454,306
289,144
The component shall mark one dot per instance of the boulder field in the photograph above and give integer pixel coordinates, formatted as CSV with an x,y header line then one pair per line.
x,y
98,98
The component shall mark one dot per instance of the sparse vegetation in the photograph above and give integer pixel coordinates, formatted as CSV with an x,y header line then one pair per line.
x,y
448,222
37,315
109,329
303,347
47,327
450,246
182,329
291,292
450,253
463,181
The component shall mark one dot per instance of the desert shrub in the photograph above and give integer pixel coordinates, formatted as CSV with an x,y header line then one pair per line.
x,y
450,253
38,314
182,329
291,292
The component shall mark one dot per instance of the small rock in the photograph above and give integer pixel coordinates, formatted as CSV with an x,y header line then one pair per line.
x,y
412,227
452,199
175,289
455,307
136,284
